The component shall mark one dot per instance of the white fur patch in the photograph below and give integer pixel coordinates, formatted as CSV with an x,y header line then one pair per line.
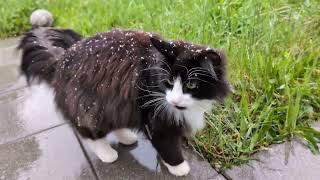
x,y
126,136
194,115
195,109
102,149
178,170
176,97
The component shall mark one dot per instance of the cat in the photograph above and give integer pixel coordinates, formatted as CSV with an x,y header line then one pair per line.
x,y
124,81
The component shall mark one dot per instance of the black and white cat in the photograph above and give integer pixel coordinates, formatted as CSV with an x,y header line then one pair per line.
x,y
127,80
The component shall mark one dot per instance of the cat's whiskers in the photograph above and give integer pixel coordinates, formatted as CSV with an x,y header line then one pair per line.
x,y
155,86
159,107
191,78
156,68
200,71
146,90
184,68
203,71
158,74
201,74
165,64
152,102
198,68
150,86
151,95
167,111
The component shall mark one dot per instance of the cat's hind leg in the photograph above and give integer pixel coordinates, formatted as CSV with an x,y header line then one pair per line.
x,y
102,149
95,140
126,136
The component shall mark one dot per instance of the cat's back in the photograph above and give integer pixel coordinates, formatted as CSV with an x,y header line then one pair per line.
x,y
95,78
107,61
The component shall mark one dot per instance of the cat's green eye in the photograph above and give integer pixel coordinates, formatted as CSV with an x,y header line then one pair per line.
x,y
191,85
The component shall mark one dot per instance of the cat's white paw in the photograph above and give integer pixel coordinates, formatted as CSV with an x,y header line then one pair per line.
x,y
126,136
107,155
103,150
178,170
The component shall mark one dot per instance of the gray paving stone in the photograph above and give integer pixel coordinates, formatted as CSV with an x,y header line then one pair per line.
x,y
9,54
9,43
13,124
10,78
291,160
53,154
9,61
140,162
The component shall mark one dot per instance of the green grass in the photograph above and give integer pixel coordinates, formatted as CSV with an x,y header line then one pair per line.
x,y
274,60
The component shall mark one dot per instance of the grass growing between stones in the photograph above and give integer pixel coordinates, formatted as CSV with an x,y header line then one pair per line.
x,y
273,49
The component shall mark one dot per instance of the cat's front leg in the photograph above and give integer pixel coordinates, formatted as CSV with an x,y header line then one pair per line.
x,y
169,148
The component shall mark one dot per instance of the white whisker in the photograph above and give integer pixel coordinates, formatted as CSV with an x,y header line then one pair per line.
x,y
151,102
201,80
155,68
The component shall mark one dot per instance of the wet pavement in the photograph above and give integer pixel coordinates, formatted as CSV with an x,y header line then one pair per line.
x,y
291,160
36,147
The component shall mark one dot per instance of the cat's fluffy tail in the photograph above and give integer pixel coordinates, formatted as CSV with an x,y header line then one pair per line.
x,y
42,46
41,18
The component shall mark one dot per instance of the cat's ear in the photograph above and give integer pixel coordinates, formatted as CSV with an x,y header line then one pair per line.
x,y
214,57
213,60
164,47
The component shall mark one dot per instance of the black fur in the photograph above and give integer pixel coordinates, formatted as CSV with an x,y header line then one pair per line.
x,y
103,82
41,47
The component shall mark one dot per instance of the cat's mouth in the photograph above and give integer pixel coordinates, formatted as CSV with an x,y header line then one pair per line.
x,y
180,107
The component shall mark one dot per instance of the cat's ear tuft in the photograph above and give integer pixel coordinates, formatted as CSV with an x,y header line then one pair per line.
x,y
164,47
214,57
214,61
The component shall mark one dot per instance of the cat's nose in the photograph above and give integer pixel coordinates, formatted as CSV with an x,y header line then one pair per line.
x,y
176,101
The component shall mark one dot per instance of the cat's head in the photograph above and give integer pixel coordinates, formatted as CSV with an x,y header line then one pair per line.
x,y
189,74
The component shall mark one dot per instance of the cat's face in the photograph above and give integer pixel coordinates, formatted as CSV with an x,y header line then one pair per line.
x,y
190,75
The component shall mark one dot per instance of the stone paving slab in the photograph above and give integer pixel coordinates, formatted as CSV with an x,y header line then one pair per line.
x,y
9,43
15,123
10,78
9,60
140,162
53,154
291,160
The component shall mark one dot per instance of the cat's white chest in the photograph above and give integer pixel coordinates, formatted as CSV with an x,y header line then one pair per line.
x,y
194,116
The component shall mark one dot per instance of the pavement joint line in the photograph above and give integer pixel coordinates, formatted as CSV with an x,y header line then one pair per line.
x,y
86,155
32,134
225,175
11,90
217,170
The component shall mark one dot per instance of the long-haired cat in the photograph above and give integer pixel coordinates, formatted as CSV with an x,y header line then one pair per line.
x,y
126,80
